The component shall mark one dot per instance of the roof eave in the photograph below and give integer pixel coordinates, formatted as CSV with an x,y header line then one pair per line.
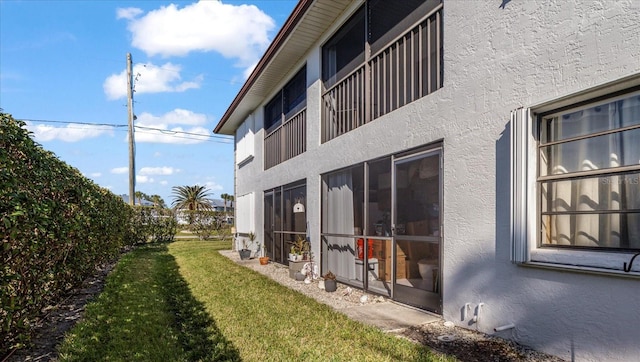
x,y
296,15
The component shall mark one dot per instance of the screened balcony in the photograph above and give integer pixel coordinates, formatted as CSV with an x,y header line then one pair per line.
x,y
286,141
285,121
400,62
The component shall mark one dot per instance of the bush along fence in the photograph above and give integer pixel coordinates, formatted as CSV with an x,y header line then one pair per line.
x,y
153,224
206,223
56,227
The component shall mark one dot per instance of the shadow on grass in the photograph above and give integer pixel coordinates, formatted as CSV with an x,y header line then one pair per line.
x,y
197,333
146,312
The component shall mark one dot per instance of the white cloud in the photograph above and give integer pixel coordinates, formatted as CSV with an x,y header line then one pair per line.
x,y
171,127
149,78
164,183
235,31
143,179
128,13
96,174
120,170
212,185
158,171
69,133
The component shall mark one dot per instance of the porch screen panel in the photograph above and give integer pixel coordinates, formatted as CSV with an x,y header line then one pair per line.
x,y
338,218
342,218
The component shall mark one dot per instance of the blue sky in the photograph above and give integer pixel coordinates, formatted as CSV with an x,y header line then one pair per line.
x,y
65,61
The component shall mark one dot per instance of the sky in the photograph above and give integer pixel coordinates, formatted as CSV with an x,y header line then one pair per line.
x,y
63,70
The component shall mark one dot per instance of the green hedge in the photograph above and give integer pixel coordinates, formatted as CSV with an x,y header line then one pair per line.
x,y
56,226
154,224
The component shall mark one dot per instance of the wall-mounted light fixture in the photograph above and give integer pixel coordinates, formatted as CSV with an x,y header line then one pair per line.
x,y
298,206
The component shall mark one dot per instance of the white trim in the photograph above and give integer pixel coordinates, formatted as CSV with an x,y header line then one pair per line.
x,y
245,141
525,208
608,262
245,213
520,198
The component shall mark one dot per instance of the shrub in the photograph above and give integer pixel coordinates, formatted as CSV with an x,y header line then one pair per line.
x,y
154,224
56,226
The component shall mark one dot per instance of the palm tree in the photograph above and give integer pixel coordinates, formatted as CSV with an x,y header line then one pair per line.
x,y
157,201
225,198
139,195
191,198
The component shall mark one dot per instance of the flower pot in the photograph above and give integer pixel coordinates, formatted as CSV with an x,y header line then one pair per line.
x,y
264,260
244,254
330,285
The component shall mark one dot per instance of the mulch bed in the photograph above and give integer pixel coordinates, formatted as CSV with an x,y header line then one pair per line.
x,y
57,319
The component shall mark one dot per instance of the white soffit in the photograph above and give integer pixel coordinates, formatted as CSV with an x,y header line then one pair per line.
x,y
288,54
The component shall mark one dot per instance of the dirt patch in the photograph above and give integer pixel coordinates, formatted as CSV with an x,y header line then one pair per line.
x,y
57,319
472,346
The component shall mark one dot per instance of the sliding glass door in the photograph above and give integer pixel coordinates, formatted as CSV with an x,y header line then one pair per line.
x,y
381,223
416,221
282,221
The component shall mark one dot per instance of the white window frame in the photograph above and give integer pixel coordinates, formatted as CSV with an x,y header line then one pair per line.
x,y
245,141
245,213
525,208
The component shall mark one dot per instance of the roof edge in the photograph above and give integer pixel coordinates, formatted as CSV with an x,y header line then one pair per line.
x,y
293,19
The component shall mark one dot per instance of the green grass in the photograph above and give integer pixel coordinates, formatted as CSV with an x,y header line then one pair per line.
x,y
185,302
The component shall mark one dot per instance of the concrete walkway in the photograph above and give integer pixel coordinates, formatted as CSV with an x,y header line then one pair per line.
x,y
390,316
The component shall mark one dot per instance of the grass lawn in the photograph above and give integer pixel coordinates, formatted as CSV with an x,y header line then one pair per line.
x,y
185,302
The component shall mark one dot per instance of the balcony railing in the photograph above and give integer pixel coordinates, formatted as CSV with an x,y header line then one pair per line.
x,y
286,141
409,68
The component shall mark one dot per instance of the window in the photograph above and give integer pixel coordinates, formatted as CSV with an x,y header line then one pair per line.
x,y
245,213
244,141
575,180
273,112
589,175
287,102
389,19
294,94
344,52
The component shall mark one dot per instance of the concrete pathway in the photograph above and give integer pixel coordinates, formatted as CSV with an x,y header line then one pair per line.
x,y
390,316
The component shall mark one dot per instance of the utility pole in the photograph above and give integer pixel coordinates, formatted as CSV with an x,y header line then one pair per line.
x,y
132,150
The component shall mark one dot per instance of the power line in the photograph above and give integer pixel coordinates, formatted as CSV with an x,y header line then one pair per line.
x,y
71,122
165,131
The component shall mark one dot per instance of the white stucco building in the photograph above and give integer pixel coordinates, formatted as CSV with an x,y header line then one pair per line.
x,y
476,159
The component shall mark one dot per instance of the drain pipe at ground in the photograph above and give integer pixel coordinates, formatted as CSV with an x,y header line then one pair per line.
x,y
504,327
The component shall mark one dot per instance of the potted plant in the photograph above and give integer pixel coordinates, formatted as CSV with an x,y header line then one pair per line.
x,y
330,284
245,252
264,260
292,253
298,249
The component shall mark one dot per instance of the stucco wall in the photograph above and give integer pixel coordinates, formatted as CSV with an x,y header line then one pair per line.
x,y
496,58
